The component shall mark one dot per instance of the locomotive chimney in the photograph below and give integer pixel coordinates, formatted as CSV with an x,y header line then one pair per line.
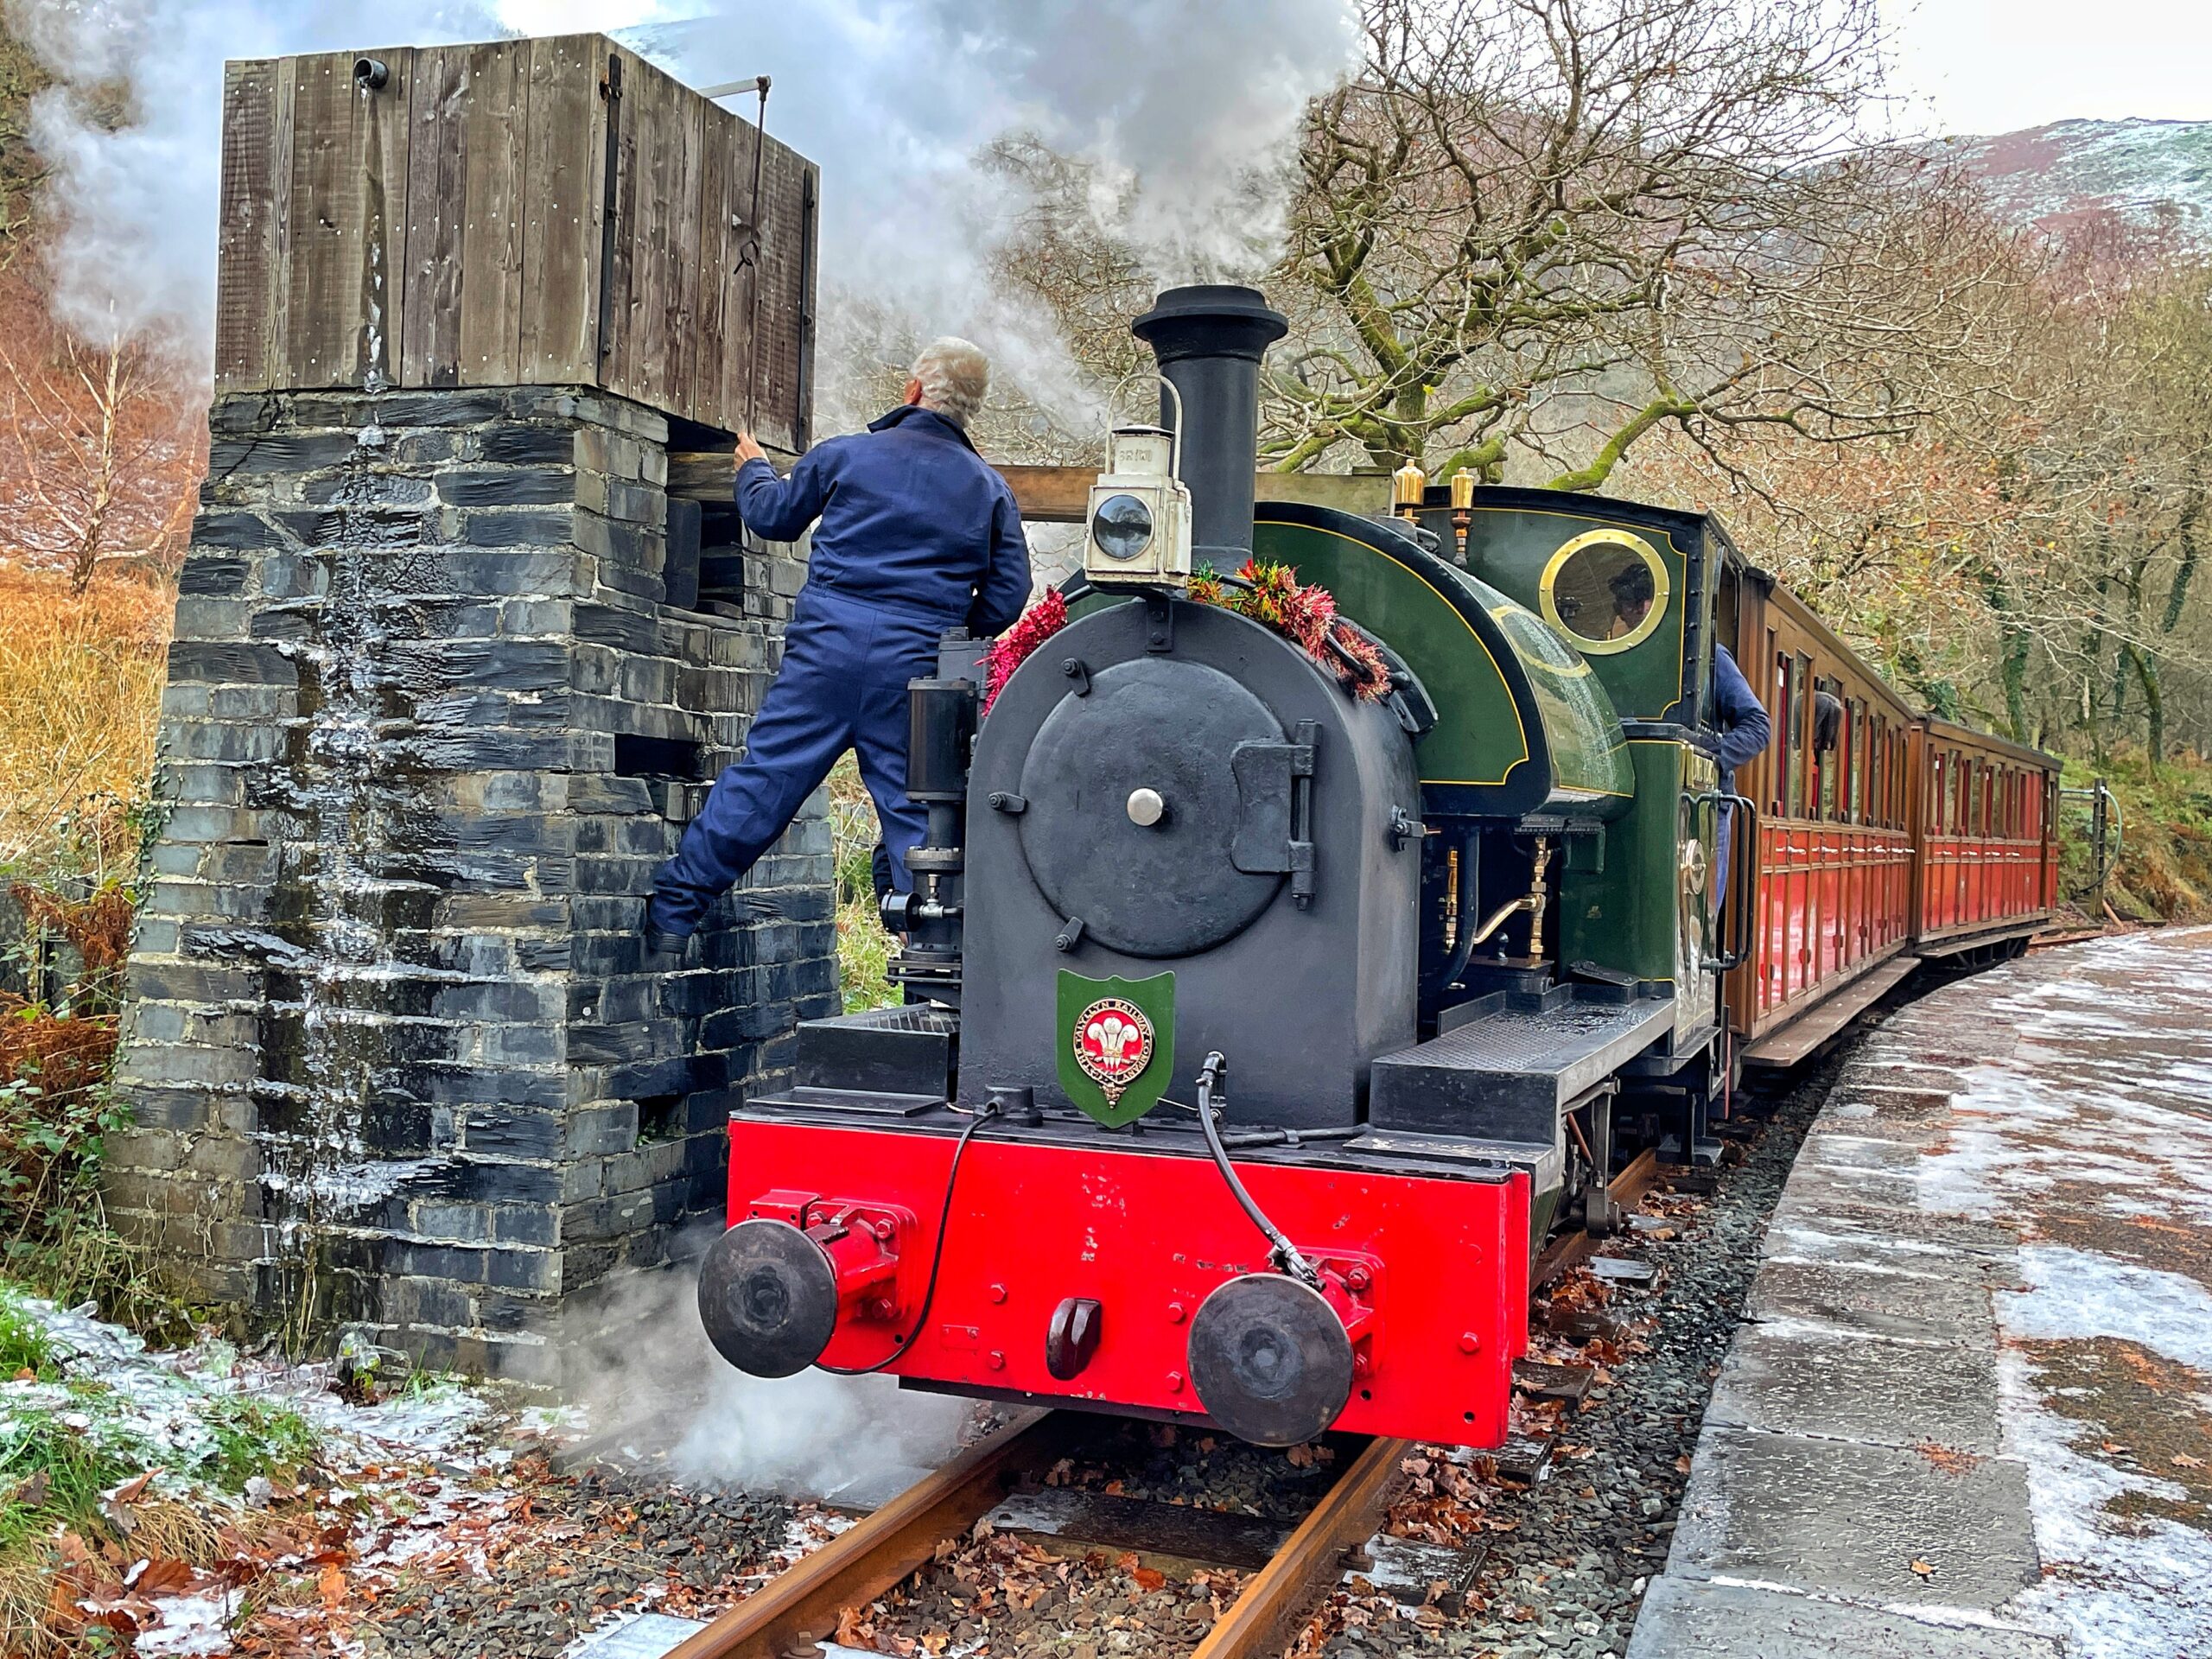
x,y
1209,339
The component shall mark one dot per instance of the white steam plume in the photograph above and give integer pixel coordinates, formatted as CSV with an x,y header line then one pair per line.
x,y
655,1374
1177,103
136,204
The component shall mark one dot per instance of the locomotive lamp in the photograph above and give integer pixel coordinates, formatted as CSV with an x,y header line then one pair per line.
x,y
1139,533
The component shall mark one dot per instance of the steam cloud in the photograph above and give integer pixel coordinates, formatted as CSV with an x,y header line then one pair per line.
x,y
137,204
812,1435
1177,103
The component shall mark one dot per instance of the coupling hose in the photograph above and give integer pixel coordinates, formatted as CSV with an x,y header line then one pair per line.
x,y
1281,1251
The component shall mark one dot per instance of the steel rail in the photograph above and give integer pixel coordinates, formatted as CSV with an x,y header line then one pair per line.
x,y
1264,1620
801,1605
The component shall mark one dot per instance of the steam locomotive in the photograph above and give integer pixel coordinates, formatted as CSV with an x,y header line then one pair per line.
x,y
1274,982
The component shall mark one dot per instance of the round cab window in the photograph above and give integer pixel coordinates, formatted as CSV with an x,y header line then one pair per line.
x,y
1605,590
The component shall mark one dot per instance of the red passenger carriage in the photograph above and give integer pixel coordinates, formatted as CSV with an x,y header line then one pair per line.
x,y
1883,837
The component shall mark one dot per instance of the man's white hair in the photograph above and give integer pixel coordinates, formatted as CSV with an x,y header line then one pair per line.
x,y
955,374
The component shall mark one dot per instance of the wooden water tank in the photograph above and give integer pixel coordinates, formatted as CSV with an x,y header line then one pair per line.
x,y
552,212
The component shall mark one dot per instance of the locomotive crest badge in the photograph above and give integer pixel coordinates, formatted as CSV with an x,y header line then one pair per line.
x,y
1117,1041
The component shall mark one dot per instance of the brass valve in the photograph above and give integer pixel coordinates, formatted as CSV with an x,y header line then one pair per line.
x,y
1407,485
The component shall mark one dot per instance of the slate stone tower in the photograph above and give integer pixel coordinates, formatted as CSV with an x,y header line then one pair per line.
x,y
446,686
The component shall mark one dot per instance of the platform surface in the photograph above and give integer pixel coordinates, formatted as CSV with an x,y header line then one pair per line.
x,y
1969,1413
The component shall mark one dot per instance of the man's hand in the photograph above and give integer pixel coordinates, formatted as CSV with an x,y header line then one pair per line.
x,y
748,450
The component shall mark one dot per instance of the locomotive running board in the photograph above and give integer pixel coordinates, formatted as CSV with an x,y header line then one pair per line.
x,y
1508,1075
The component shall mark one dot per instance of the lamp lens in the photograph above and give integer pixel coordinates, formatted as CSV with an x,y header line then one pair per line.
x,y
1121,527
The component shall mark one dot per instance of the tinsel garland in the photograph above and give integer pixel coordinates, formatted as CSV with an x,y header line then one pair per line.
x,y
1306,614
1012,649
1303,613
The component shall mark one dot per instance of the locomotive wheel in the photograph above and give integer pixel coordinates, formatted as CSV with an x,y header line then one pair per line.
x,y
1270,1359
768,1298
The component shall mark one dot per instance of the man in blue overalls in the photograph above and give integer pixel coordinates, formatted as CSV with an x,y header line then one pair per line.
x,y
913,534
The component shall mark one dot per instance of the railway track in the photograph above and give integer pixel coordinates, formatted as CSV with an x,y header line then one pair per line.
x,y
1643,1172
802,1607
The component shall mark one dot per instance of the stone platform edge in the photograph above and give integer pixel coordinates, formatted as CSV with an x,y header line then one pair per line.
x,y
1851,1496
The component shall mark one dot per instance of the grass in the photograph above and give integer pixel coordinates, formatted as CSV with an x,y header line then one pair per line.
x,y
81,696
57,1109
2165,866
80,692
90,1427
864,949
24,1345
253,1438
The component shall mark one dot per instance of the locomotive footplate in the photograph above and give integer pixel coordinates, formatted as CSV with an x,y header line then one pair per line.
x,y
1073,1264
1510,1073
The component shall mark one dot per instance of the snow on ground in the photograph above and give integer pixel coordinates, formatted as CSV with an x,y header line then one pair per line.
x,y
174,1413
2123,1588
2080,1295
2093,1137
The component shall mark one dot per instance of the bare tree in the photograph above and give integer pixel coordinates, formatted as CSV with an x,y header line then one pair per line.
x,y
99,448
1554,226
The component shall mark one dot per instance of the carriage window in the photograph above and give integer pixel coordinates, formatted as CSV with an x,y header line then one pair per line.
x,y
1878,763
1789,782
1607,588
1869,800
1828,755
1854,776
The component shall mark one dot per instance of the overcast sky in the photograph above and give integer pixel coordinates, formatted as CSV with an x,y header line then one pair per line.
x,y
1996,65
1969,65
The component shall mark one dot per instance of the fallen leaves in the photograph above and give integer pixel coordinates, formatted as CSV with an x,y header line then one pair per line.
x,y
1143,1577
96,1586
160,1578
1948,1458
